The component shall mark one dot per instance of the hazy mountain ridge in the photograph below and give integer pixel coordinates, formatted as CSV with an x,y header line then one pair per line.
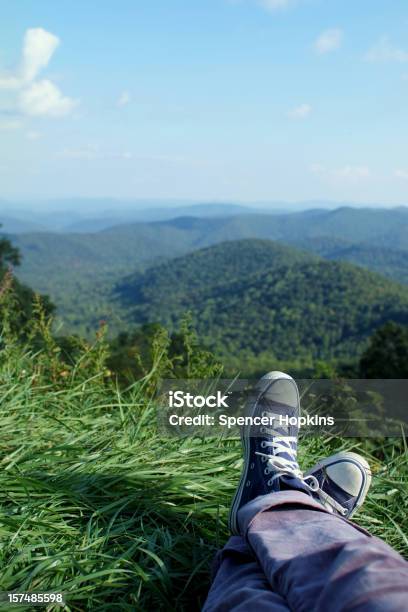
x,y
380,227
82,215
78,216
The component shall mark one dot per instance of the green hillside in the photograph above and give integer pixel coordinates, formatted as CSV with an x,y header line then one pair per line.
x,y
389,262
79,270
206,269
392,263
127,246
253,297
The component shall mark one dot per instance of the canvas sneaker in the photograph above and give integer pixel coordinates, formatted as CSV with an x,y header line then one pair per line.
x,y
340,482
270,451
344,480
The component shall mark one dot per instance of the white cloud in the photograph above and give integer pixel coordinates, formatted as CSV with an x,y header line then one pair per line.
x,y
275,5
401,174
328,41
384,51
10,82
124,99
43,98
38,48
300,112
37,98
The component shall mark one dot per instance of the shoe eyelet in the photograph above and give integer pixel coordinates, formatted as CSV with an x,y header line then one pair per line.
x,y
263,459
270,482
267,471
248,484
262,430
263,444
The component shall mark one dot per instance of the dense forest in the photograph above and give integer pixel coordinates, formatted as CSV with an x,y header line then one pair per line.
x,y
258,299
79,268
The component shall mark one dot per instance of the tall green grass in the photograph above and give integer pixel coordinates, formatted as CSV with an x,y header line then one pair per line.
x,y
96,504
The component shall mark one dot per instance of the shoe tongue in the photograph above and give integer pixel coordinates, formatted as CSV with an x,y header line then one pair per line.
x,y
289,454
282,414
280,427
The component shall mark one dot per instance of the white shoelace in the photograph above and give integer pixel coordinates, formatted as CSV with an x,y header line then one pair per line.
x,y
280,465
290,467
331,504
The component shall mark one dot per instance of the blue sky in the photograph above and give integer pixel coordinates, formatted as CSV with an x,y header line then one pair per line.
x,y
243,100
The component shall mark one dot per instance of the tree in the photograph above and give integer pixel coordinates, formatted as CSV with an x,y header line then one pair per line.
x,y
387,354
16,299
9,255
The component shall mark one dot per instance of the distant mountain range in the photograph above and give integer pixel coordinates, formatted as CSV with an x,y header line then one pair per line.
x,y
78,270
81,216
93,215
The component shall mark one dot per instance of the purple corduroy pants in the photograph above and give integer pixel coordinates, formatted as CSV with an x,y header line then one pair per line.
x,y
294,555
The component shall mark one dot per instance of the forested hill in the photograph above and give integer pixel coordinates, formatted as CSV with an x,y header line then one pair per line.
x,y
205,269
254,296
380,228
369,233
78,271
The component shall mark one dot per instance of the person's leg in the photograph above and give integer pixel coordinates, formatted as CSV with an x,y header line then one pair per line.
x,y
319,561
240,584
295,524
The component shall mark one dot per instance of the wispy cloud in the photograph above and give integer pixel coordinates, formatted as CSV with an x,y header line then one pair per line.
x,y
43,98
317,168
328,41
401,174
349,172
93,152
37,97
275,5
33,135
353,172
124,99
268,5
385,51
300,112
10,125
